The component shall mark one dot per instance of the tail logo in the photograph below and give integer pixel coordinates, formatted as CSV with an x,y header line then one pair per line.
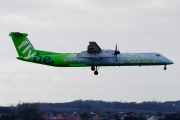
x,y
45,59
30,54
37,58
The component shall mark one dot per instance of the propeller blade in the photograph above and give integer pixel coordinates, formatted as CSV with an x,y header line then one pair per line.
x,y
116,52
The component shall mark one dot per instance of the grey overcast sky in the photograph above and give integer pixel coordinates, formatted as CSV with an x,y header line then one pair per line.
x,y
68,26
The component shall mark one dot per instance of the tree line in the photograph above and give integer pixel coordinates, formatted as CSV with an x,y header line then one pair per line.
x,y
169,106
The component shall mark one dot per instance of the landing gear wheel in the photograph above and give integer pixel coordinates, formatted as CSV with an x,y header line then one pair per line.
x,y
92,68
165,68
95,69
96,72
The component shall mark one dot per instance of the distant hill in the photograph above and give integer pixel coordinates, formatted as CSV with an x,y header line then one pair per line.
x,y
88,109
92,105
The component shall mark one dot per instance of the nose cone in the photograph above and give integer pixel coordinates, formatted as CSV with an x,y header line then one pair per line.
x,y
171,62
168,61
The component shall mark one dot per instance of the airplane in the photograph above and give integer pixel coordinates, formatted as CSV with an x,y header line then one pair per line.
x,y
93,57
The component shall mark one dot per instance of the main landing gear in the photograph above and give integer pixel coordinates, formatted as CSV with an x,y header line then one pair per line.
x,y
94,68
165,68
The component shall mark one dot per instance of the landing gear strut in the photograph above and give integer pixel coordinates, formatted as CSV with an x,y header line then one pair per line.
x,y
95,69
165,68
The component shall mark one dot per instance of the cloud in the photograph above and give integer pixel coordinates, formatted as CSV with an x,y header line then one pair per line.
x,y
156,4
68,26
20,20
57,79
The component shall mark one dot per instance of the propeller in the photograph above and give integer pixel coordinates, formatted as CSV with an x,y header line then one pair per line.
x,y
116,52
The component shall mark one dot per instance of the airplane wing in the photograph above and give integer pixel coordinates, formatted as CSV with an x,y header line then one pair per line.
x,y
94,51
93,47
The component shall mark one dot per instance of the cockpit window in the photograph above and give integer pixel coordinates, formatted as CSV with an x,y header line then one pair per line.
x,y
158,55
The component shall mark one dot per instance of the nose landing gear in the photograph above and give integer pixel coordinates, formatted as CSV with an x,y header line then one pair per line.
x,y
165,68
95,69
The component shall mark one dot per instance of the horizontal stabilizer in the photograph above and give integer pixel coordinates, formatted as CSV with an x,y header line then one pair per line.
x,y
17,34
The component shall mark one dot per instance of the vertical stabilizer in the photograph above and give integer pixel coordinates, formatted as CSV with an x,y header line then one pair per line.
x,y
23,46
